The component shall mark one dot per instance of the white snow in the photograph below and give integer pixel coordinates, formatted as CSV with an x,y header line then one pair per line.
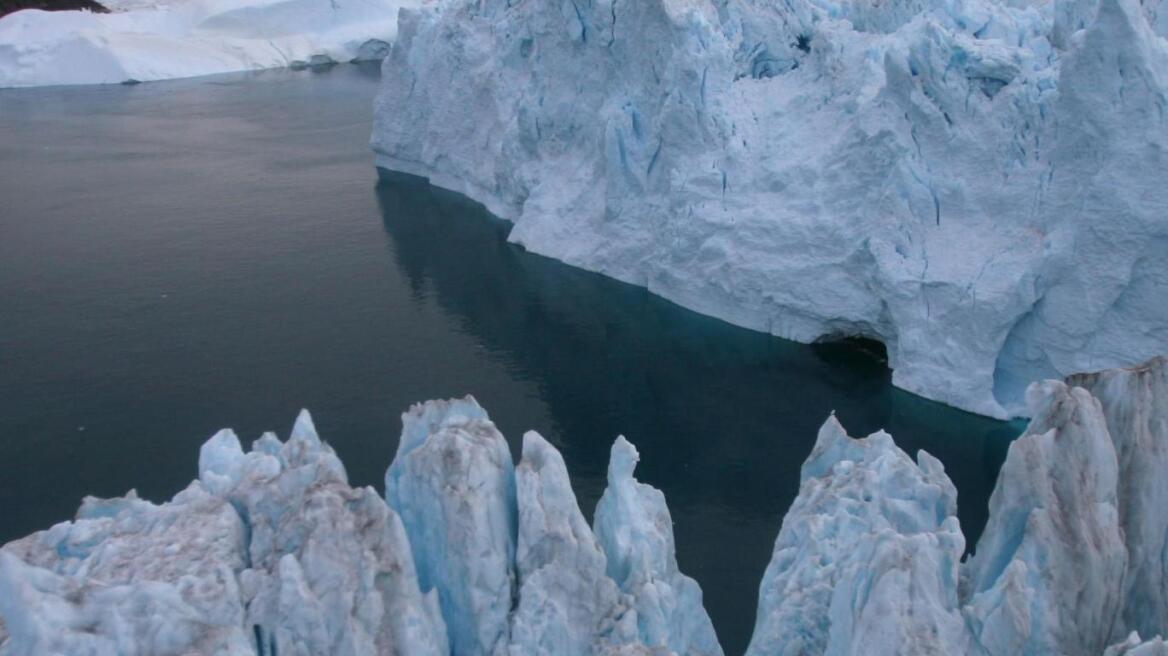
x,y
1133,646
976,183
272,552
182,38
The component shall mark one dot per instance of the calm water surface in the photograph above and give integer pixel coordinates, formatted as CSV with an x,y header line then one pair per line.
x,y
179,257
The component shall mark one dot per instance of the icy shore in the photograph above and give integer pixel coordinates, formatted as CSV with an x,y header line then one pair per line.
x,y
977,184
157,40
270,551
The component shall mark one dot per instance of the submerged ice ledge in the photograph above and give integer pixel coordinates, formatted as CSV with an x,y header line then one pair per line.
x,y
271,551
978,184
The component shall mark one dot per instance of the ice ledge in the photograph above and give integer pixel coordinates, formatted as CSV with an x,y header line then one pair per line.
x,y
271,551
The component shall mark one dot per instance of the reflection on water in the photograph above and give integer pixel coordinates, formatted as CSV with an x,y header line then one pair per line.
x,y
177,257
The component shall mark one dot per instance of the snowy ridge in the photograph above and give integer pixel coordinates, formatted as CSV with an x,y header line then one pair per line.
x,y
975,183
165,39
272,552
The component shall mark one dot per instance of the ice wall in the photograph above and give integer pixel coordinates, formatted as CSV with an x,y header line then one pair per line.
x,y
977,184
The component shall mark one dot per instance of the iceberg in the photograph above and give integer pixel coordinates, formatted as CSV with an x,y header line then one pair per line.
x,y
270,551
976,184
143,41
1073,556
867,561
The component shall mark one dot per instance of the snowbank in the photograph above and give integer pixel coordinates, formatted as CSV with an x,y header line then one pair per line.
x,y
272,552
183,38
977,184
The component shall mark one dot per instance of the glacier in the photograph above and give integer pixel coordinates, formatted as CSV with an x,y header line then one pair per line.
x,y
978,184
163,39
270,550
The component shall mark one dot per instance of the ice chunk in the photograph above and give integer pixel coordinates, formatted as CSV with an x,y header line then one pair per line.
x,y
635,530
867,558
453,483
1073,557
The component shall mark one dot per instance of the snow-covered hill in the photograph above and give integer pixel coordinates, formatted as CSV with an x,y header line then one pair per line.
x,y
163,39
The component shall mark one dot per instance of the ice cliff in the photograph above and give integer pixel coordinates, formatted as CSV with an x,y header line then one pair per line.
x,y
163,39
977,184
271,551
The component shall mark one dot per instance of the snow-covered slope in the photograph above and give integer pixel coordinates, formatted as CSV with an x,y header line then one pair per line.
x,y
978,184
182,38
272,552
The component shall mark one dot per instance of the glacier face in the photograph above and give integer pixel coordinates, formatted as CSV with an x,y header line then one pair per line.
x,y
270,551
975,183
163,39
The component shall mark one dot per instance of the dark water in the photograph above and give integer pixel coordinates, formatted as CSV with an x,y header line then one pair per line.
x,y
179,257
